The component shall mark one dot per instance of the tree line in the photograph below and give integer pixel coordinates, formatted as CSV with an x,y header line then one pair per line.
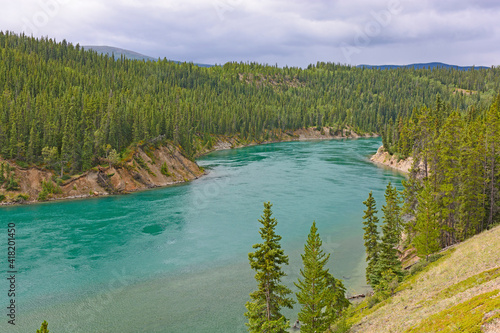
x,y
67,108
452,191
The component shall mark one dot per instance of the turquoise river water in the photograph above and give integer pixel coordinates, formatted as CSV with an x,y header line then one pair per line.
x,y
176,259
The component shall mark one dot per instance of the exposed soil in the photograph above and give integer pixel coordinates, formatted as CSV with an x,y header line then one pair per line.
x,y
109,180
384,158
132,176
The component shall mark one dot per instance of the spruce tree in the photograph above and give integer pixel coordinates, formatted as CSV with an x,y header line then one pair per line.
x,y
43,328
338,302
427,228
319,295
391,233
371,237
263,311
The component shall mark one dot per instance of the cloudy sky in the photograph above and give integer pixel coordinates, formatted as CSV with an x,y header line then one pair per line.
x,y
286,32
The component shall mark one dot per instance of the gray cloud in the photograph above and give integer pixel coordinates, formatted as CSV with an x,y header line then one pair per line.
x,y
292,32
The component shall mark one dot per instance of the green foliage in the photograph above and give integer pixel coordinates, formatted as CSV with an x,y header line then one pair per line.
x,y
12,184
48,189
164,169
321,296
143,164
388,262
22,164
456,153
21,197
371,238
43,328
264,309
464,317
421,264
388,283
427,225
2,197
68,107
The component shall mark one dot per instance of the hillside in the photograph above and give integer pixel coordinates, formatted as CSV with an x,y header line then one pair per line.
x,y
146,167
131,55
460,292
429,65
118,52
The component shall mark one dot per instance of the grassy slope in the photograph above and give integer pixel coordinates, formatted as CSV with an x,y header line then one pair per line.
x,y
452,295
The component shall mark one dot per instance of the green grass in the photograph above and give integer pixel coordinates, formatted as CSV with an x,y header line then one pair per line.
x,y
473,281
464,317
423,268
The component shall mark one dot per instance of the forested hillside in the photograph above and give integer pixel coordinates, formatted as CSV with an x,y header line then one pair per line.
x,y
454,184
72,108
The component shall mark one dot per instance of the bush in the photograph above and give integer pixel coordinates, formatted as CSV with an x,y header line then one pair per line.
x,y
22,164
164,169
143,164
12,184
2,197
21,198
48,188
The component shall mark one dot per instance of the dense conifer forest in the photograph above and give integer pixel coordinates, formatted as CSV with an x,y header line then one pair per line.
x,y
64,107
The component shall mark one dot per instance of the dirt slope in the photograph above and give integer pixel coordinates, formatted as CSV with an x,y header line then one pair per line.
x,y
384,158
110,180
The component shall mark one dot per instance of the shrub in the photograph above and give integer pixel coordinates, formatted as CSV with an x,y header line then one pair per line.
x,y
22,164
12,184
2,197
21,197
164,169
143,164
48,188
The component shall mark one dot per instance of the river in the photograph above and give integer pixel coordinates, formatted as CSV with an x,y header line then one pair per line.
x,y
176,259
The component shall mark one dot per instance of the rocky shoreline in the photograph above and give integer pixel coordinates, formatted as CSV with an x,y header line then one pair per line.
x,y
145,169
382,157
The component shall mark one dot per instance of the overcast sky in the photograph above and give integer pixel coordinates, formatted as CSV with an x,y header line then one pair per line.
x,y
286,32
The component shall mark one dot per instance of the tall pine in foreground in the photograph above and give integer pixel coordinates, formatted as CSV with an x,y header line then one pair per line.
x,y
388,266
263,311
370,221
320,295
43,328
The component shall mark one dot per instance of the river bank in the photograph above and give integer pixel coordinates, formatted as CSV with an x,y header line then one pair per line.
x,y
382,157
147,168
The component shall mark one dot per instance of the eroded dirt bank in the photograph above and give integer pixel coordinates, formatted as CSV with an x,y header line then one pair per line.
x,y
384,158
143,170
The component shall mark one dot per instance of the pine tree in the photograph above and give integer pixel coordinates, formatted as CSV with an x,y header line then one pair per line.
x,y
492,148
472,182
371,237
427,228
43,328
316,289
447,176
263,311
391,233
2,177
339,301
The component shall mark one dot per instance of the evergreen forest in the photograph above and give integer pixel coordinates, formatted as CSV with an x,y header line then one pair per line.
x,y
65,107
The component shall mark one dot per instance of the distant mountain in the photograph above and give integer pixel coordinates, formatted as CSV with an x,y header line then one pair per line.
x,y
109,50
425,65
